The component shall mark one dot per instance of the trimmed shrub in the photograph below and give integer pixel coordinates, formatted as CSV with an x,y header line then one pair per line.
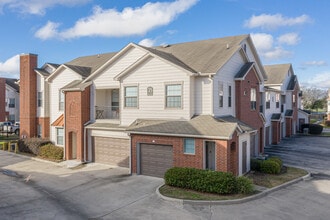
x,y
315,129
244,185
205,180
277,160
270,167
255,164
31,145
51,151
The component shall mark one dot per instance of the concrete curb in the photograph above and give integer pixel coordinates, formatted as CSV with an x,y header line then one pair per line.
x,y
234,201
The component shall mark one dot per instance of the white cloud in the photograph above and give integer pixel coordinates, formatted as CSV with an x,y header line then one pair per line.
x,y
38,7
289,39
272,22
268,48
147,42
10,67
315,63
47,31
128,22
320,80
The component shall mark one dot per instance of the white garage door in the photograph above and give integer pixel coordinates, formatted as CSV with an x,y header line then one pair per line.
x,y
155,159
112,151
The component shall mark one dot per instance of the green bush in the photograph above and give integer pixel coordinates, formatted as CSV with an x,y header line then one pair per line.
x,y
277,160
244,185
255,164
315,129
270,167
205,181
51,151
31,145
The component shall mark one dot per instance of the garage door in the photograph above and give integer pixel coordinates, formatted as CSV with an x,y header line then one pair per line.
x,y
112,151
155,159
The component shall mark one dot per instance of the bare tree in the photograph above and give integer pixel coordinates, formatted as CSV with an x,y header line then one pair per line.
x,y
313,98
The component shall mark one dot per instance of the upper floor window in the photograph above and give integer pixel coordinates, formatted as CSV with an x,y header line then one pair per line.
x,y
131,96
277,99
61,101
267,100
173,96
39,104
220,91
60,136
253,98
294,100
189,146
11,103
229,96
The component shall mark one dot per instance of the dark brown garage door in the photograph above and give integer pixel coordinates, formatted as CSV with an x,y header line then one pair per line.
x,y
155,159
112,151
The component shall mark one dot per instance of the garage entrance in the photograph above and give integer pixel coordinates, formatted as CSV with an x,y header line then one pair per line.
x,y
112,151
154,159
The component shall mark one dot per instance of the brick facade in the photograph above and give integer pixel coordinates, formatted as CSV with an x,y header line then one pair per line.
x,y
28,95
77,113
44,122
2,99
243,105
226,158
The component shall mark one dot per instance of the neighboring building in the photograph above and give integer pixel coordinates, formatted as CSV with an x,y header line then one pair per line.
x,y
328,106
198,104
283,97
9,100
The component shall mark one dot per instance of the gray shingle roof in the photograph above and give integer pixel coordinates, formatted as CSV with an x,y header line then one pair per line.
x,y
81,70
276,73
12,83
76,85
292,83
288,113
205,56
244,70
276,116
199,126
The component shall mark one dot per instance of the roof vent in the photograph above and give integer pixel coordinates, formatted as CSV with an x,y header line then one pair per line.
x,y
166,45
227,46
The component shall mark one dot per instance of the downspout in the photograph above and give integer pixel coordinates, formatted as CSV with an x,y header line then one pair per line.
x,y
85,150
212,98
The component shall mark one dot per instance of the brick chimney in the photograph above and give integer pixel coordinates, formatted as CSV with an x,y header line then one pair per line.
x,y
2,99
28,95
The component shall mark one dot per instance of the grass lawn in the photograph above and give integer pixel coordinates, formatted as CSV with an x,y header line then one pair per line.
x,y
260,179
11,137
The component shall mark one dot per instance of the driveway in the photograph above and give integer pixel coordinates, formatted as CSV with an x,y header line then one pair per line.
x,y
32,189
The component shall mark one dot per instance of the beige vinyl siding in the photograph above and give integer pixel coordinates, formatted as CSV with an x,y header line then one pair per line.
x,y
203,95
60,80
226,75
155,73
106,79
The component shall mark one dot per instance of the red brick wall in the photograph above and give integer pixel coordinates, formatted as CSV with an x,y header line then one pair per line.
x,y
288,127
243,105
276,129
45,126
28,95
295,109
77,113
2,99
223,160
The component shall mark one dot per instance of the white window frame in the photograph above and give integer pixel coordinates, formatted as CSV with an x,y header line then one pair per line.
x,y
230,96
186,147
39,99
58,136
61,100
175,95
253,99
220,93
126,97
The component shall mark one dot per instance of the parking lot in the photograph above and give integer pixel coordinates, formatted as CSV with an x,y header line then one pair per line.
x,y
33,189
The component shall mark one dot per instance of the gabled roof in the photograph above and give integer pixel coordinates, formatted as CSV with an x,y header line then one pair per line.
x,y
244,70
59,122
12,83
277,73
292,83
81,70
76,85
205,126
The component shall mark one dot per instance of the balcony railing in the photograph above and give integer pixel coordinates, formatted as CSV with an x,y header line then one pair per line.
x,y
106,112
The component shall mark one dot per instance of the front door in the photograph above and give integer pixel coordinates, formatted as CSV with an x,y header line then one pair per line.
x,y
210,155
73,139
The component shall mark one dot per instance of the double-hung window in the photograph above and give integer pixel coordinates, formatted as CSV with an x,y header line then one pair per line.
x,y
131,96
277,100
60,136
61,100
11,103
267,100
253,98
189,146
229,96
39,104
220,91
173,96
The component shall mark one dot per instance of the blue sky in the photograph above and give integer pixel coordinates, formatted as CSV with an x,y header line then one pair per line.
x,y
284,31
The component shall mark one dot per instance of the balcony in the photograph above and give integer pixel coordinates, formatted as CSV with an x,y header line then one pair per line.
x,y
107,104
107,112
